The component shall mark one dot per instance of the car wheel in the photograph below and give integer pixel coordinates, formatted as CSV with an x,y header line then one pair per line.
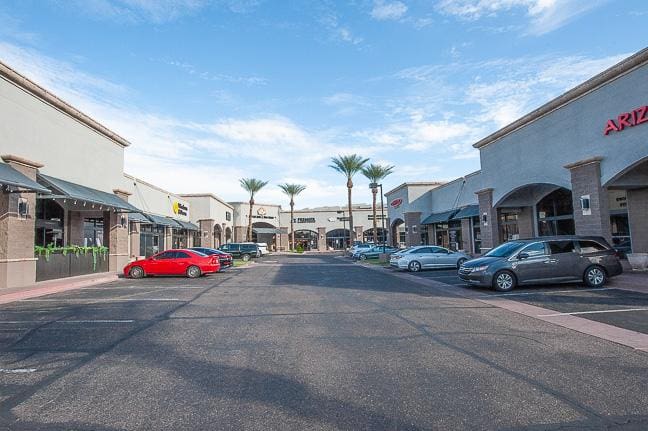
x,y
136,272
193,272
461,262
595,276
414,266
363,257
245,257
504,281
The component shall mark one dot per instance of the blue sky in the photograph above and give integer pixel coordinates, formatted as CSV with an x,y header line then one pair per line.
x,y
213,91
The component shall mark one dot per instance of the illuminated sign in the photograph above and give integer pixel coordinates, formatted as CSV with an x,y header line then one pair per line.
x,y
180,208
627,119
396,203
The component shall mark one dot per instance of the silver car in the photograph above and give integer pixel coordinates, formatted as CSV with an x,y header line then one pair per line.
x,y
427,256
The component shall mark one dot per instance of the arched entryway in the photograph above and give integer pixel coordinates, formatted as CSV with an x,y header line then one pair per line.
x,y
338,239
368,236
306,238
263,232
398,233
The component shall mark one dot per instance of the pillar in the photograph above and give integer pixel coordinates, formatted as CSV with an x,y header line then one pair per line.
x,y
134,237
525,222
118,235
17,261
638,219
282,241
321,239
489,223
168,238
206,232
412,227
240,233
586,184
359,232
466,236
74,228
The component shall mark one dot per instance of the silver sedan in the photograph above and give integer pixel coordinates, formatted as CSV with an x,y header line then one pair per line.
x,y
426,257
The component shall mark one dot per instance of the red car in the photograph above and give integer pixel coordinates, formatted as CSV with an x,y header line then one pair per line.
x,y
191,263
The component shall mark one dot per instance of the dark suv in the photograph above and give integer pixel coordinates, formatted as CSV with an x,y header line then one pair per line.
x,y
559,259
241,251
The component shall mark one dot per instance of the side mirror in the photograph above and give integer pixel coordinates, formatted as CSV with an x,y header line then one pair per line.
x,y
523,255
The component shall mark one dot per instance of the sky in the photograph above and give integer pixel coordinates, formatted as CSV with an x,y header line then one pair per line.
x,y
211,91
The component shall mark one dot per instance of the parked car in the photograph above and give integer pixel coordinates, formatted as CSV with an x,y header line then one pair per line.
x,y
427,256
544,260
244,251
174,262
225,259
358,247
263,247
375,252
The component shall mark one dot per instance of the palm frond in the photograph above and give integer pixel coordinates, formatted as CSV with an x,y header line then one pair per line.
x,y
348,165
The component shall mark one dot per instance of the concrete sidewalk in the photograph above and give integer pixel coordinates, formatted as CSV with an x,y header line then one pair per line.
x,y
636,281
54,286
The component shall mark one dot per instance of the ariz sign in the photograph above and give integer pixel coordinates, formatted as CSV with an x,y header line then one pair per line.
x,y
627,119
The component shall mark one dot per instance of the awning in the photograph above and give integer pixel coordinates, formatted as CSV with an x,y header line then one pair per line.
x,y
265,230
66,190
11,177
138,217
163,221
441,217
467,212
186,225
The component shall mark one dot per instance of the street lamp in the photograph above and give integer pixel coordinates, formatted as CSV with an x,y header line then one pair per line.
x,y
382,212
343,229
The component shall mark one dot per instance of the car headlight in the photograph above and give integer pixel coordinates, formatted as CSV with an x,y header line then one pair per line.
x,y
479,268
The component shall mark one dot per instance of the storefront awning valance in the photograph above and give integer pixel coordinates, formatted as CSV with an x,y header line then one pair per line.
x,y
467,212
67,190
186,225
138,217
442,217
265,230
11,177
162,221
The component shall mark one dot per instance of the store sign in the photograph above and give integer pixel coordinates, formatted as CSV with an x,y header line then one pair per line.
x,y
180,209
304,220
261,211
627,119
396,203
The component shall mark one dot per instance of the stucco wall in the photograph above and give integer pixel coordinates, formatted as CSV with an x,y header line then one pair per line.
x,y
241,212
152,199
455,194
69,150
328,218
206,207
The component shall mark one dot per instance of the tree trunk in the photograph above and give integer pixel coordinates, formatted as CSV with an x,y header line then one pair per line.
x,y
292,227
351,227
249,229
374,191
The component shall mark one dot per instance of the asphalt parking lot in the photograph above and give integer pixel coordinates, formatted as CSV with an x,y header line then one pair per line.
x,y
614,306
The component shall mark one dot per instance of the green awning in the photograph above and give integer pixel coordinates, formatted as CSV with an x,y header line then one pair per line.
x,y
186,225
467,212
162,221
442,217
66,190
265,230
11,177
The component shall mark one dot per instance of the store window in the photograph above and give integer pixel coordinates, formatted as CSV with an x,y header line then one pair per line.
x,y
509,228
556,214
49,223
93,232
179,238
151,239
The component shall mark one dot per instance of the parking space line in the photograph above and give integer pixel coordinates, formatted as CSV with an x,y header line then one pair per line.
x,y
143,287
547,291
17,322
575,313
17,370
84,301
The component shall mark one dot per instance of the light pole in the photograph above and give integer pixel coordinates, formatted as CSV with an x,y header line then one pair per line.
x,y
382,212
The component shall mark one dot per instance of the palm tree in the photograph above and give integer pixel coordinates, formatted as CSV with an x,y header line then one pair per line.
x,y
348,166
375,174
252,186
292,190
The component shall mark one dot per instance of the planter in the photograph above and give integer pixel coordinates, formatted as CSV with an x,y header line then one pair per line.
x,y
638,261
58,265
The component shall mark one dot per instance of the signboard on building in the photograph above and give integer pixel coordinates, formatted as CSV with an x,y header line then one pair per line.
x,y
627,119
180,209
396,203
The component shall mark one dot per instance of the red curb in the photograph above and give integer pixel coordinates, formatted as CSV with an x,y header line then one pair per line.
x,y
56,286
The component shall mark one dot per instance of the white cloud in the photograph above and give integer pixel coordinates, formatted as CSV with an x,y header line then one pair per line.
x,y
388,10
545,15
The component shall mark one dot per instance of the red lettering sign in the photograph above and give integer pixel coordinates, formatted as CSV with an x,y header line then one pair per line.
x,y
627,119
396,203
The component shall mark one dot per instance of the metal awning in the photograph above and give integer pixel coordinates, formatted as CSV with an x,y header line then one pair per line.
x,y
441,217
162,221
66,190
467,212
265,230
11,177
186,225
138,217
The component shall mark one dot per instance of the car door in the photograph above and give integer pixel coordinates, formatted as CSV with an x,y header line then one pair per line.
x,y
181,262
425,256
535,266
564,261
442,257
161,264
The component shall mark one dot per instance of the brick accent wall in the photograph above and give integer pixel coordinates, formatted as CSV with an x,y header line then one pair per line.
x,y
413,225
321,238
525,223
134,238
638,218
490,228
359,232
207,239
117,240
586,180
466,236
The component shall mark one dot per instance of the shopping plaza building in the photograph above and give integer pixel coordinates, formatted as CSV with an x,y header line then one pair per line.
x,y
576,165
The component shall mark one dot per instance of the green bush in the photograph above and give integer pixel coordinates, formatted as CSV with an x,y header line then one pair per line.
x,y
299,249
75,249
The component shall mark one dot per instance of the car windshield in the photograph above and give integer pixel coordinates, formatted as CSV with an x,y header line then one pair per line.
x,y
199,253
505,250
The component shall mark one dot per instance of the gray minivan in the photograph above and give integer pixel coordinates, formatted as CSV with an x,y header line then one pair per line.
x,y
559,259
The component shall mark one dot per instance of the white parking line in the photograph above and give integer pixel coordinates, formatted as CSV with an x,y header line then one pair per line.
x,y
575,313
88,301
17,370
17,322
143,287
548,291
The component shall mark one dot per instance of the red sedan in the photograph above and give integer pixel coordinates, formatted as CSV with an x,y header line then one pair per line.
x,y
174,262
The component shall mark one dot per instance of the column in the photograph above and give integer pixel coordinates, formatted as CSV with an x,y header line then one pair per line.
x,y
466,236
206,232
240,233
17,261
282,240
638,219
359,232
488,220
586,186
168,238
321,239
412,226
74,227
118,235
525,222
134,235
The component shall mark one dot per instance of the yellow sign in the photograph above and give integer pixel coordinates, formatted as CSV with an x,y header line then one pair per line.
x,y
180,209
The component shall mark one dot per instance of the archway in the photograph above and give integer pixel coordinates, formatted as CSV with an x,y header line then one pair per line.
x,y
338,239
218,236
398,232
367,236
263,232
306,238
